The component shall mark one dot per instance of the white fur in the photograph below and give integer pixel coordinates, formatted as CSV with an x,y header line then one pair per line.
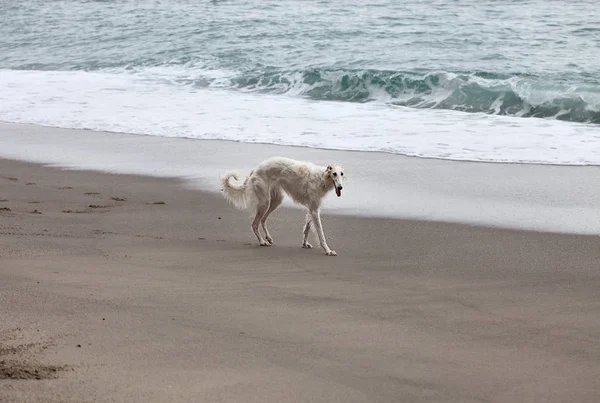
x,y
263,190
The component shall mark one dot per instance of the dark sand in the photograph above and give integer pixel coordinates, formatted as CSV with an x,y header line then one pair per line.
x,y
109,295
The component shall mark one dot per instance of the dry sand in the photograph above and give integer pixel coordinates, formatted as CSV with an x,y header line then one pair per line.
x,y
117,288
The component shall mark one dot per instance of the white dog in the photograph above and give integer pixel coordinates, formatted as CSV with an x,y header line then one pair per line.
x,y
304,182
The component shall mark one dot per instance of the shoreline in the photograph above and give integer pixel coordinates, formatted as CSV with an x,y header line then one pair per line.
x,y
542,198
320,149
120,287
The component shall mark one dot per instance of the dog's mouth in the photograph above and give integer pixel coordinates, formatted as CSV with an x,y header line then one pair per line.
x,y
338,192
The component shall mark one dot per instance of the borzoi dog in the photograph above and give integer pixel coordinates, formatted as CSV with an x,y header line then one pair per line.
x,y
304,182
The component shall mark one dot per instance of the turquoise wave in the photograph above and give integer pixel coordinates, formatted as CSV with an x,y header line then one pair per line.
x,y
521,95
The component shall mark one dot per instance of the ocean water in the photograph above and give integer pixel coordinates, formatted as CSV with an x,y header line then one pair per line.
x,y
503,81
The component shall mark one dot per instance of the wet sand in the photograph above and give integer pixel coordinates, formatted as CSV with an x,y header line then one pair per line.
x,y
130,288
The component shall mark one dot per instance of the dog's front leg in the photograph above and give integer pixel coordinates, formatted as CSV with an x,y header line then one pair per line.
x,y
306,232
316,219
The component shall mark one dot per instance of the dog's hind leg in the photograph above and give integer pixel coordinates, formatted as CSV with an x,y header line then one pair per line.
x,y
316,219
305,243
260,212
276,199
261,196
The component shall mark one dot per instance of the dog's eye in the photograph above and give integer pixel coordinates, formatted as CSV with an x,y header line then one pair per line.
x,y
335,174
342,174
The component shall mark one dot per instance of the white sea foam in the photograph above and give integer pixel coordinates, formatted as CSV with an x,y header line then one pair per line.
x,y
141,104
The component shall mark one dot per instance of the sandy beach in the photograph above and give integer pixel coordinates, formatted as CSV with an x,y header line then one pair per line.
x,y
138,289
467,235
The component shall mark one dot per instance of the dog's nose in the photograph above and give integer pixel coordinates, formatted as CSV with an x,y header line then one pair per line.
x,y
340,187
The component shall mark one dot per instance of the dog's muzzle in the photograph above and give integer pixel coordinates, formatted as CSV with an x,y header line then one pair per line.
x,y
338,191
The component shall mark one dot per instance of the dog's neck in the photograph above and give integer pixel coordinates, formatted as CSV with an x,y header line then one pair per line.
x,y
326,182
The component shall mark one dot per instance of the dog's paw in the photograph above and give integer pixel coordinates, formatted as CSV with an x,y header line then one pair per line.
x,y
331,253
265,243
269,240
306,245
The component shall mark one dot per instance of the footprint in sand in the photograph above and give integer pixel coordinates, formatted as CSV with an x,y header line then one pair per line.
x,y
35,212
158,202
18,359
34,202
4,200
67,211
66,187
97,206
9,178
91,193
30,183
101,232
5,209
119,199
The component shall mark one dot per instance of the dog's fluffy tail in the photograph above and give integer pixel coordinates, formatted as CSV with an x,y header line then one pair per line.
x,y
235,193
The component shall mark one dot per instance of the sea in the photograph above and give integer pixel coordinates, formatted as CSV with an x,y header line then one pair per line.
x,y
476,80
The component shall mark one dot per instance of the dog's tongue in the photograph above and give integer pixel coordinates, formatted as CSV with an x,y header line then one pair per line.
x,y
338,192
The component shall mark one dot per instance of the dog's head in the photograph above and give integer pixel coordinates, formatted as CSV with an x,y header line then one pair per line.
x,y
336,173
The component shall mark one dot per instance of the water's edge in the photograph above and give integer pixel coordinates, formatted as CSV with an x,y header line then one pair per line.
x,y
531,197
